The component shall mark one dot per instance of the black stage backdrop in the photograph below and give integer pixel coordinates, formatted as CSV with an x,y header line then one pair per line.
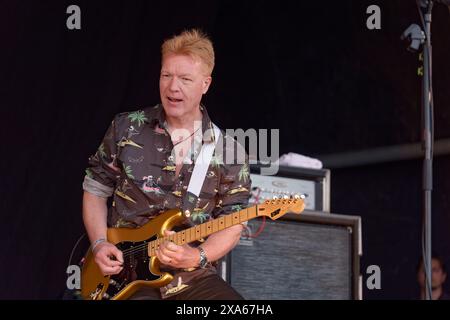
x,y
311,69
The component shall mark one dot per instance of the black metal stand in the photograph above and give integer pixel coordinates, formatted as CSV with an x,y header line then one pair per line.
x,y
418,37
428,138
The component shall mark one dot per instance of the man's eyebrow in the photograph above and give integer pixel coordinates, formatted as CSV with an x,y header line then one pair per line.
x,y
190,75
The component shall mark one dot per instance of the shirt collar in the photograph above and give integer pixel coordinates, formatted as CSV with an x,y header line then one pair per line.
x,y
157,116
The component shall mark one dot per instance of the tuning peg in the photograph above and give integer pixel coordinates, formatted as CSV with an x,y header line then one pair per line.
x,y
274,198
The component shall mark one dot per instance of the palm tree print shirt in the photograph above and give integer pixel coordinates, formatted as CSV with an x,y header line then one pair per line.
x,y
135,164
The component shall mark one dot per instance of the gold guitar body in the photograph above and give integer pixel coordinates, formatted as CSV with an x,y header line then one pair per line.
x,y
140,270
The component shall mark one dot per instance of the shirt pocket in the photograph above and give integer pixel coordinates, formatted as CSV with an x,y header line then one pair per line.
x,y
210,185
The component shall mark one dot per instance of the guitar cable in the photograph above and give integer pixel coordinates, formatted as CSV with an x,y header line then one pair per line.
x,y
248,234
74,248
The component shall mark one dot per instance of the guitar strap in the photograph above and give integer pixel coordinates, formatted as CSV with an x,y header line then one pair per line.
x,y
199,173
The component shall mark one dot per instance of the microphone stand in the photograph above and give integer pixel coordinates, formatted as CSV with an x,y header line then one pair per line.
x,y
424,37
428,139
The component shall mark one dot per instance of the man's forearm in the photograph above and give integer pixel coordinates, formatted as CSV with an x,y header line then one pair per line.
x,y
220,243
94,216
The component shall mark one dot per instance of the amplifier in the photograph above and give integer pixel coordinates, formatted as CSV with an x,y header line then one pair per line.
x,y
313,255
313,183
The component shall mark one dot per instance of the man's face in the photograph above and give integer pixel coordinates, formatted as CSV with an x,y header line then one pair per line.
x,y
438,276
181,85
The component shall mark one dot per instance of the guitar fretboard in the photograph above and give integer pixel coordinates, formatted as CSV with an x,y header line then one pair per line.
x,y
205,229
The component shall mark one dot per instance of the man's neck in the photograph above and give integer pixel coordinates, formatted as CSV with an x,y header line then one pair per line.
x,y
186,122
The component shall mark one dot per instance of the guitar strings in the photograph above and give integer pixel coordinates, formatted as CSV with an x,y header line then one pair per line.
x,y
132,251
142,247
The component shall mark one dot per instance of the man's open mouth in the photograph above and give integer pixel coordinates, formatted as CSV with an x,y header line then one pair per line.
x,y
174,99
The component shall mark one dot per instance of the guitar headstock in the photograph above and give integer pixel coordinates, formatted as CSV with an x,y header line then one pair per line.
x,y
277,208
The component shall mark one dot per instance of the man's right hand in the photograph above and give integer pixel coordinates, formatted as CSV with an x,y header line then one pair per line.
x,y
108,258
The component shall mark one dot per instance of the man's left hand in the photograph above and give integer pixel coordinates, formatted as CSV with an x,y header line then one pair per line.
x,y
180,257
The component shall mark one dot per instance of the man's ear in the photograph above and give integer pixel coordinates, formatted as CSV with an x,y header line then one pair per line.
x,y
206,83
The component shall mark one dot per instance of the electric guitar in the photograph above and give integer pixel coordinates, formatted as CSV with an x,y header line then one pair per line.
x,y
141,266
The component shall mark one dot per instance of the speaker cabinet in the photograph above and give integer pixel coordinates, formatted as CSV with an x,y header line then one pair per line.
x,y
313,255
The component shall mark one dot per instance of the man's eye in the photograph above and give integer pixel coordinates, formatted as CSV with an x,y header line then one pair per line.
x,y
186,79
165,75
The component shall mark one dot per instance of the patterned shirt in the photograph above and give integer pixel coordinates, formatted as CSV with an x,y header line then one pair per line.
x,y
135,163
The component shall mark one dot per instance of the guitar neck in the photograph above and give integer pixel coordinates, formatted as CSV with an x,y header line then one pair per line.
x,y
205,229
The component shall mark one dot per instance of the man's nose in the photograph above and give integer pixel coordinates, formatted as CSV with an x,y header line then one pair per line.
x,y
173,84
